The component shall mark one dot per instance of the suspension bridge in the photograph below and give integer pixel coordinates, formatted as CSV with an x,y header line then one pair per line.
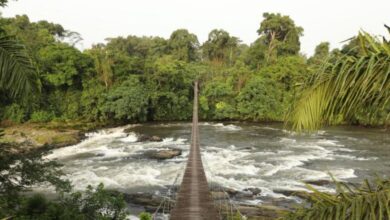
x,y
194,198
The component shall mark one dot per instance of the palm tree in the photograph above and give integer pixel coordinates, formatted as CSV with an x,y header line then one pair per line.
x,y
346,86
370,201
18,77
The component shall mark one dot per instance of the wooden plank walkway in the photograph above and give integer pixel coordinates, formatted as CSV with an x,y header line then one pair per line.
x,y
194,201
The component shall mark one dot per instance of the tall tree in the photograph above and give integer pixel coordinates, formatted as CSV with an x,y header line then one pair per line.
x,y
220,47
63,66
184,45
103,64
322,50
320,57
255,55
280,34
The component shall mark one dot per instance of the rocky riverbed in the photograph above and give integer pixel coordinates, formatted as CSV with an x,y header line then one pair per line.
x,y
28,137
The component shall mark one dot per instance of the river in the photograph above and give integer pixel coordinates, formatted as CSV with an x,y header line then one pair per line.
x,y
236,156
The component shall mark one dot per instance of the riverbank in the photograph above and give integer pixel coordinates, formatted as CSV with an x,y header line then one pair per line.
x,y
34,136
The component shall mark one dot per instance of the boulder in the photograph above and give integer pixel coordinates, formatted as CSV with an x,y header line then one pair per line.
x,y
244,195
99,155
319,182
254,191
163,154
229,191
143,138
143,199
128,130
156,139
296,193
261,212
282,202
148,201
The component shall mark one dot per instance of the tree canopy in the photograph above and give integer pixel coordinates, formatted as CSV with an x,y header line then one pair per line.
x,y
127,79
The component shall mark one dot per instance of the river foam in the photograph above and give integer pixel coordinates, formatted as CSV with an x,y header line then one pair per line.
x,y
274,161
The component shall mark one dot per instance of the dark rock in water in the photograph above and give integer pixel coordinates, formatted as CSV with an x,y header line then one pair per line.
x,y
319,182
163,154
230,192
143,138
262,212
296,193
148,201
150,209
143,199
99,155
244,195
254,191
156,139
288,204
128,130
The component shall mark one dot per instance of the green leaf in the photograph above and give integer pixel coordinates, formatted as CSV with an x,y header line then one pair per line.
x,y
17,74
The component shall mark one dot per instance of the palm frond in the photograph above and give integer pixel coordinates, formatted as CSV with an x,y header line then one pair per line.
x,y
371,202
344,87
17,74
388,28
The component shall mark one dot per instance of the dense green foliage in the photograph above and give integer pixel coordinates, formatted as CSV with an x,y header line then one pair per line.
x,y
93,204
145,216
136,79
17,74
19,171
371,202
150,78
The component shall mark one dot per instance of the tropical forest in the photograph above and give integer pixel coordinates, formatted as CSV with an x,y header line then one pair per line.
x,y
110,131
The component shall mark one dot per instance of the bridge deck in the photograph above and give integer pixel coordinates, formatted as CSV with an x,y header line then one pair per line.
x,y
194,201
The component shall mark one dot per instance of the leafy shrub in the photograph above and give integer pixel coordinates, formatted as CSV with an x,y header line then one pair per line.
x,y
260,100
95,203
35,205
15,112
217,100
27,169
92,99
127,102
65,104
145,216
41,116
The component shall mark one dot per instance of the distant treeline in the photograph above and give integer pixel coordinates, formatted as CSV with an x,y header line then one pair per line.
x,y
137,79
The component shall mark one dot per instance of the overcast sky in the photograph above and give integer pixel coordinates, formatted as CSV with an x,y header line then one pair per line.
x,y
95,20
